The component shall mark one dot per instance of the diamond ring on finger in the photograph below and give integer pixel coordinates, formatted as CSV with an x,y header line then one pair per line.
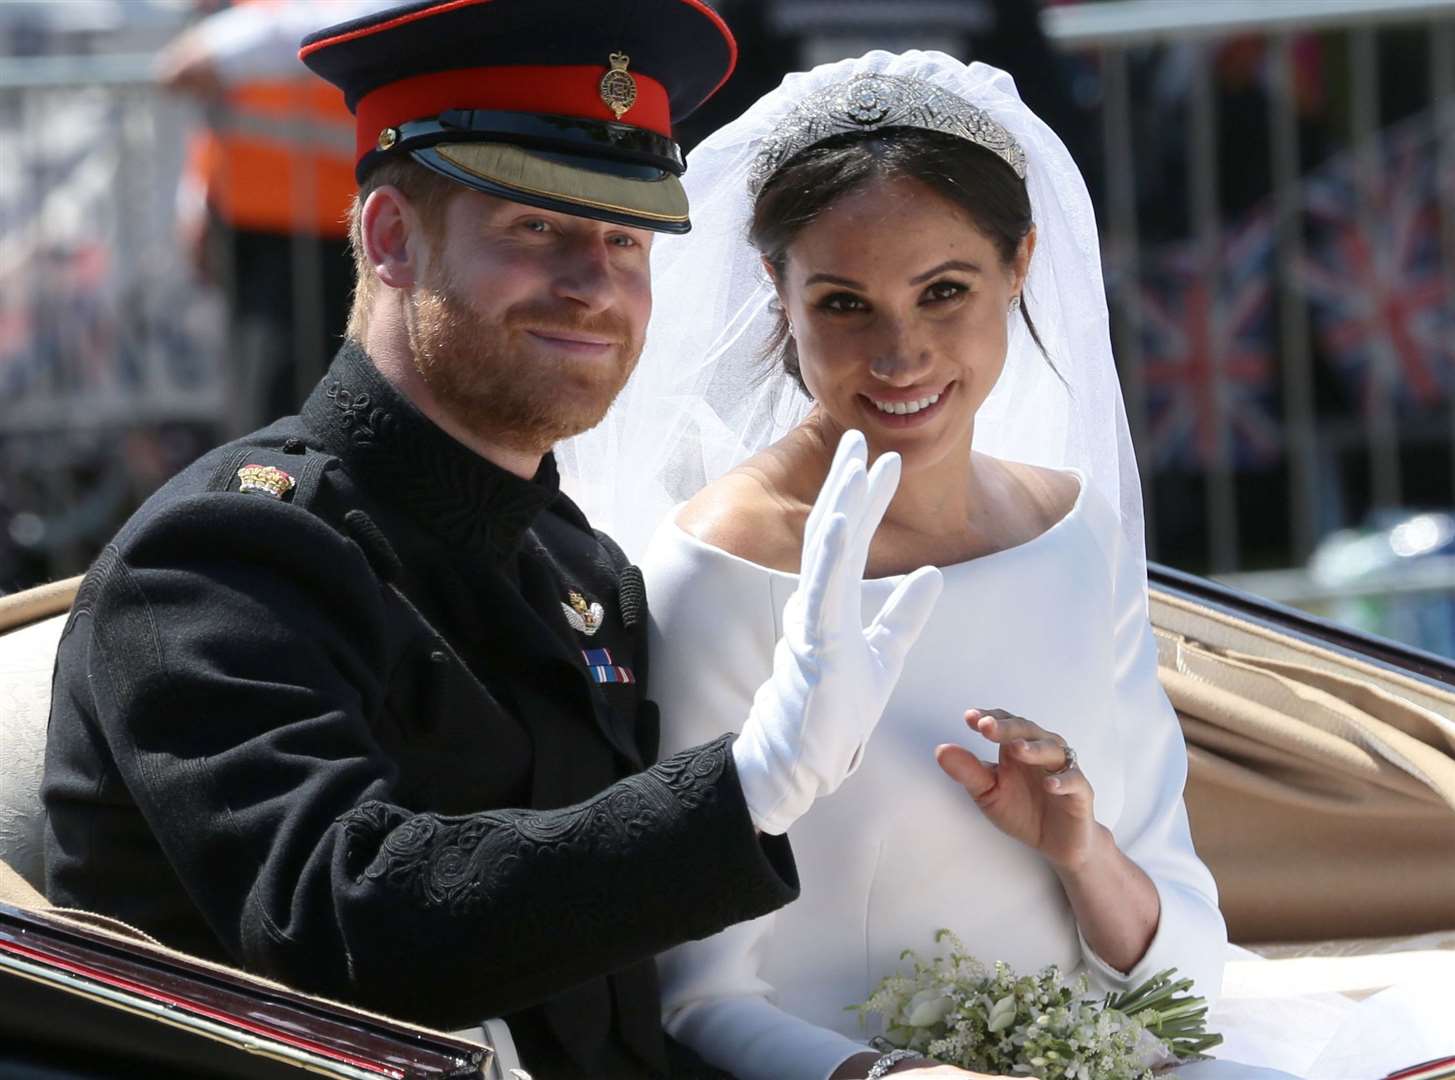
x,y
1069,764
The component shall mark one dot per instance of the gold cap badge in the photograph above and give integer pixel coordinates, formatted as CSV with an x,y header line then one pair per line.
x,y
618,88
388,137
265,480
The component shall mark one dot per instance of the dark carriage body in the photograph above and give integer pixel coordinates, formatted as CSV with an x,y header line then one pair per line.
x,y
81,1000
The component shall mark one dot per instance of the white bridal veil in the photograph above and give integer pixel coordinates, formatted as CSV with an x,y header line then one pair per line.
x,y
704,398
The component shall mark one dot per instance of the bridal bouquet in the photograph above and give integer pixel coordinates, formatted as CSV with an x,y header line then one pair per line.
x,y
957,1012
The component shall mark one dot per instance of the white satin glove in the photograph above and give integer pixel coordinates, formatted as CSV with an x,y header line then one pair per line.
x,y
832,676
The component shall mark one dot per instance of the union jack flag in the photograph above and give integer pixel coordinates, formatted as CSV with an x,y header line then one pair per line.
x,y
1373,275
1207,329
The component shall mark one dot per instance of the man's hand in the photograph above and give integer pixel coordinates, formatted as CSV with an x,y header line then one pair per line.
x,y
831,676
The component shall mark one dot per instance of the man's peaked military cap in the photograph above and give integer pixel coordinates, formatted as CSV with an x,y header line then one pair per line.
x,y
562,104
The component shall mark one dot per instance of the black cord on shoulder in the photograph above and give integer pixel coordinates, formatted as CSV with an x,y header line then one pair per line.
x,y
631,596
377,549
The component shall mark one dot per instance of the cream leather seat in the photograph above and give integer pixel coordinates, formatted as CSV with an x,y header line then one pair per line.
x,y
30,627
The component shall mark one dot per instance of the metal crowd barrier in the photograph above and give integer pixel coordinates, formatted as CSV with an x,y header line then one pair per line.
x,y
115,357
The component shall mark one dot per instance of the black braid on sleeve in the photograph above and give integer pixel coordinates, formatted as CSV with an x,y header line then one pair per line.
x,y
659,857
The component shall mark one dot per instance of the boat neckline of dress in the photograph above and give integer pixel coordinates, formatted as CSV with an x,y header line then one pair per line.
x,y
1054,527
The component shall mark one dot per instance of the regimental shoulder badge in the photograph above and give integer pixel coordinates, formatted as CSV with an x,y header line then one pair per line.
x,y
584,617
618,88
265,480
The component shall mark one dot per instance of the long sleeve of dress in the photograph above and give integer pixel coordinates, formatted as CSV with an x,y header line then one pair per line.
x,y
1152,827
714,625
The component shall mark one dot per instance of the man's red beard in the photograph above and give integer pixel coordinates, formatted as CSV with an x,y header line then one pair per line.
x,y
491,380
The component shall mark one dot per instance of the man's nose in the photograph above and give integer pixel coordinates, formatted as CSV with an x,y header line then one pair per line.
x,y
584,274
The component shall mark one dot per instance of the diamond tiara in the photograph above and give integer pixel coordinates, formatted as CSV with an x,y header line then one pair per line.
x,y
870,102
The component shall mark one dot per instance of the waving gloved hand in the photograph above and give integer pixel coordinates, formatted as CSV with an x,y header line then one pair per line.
x,y
832,676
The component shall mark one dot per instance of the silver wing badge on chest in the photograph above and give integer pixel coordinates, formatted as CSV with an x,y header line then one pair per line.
x,y
585,618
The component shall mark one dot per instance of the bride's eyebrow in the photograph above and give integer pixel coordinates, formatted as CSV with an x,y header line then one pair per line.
x,y
949,264
832,279
918,279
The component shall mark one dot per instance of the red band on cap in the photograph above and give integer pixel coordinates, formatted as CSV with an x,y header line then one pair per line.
x,y
559,91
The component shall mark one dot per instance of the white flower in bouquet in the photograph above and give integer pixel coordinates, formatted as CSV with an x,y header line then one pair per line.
x,y
955,1011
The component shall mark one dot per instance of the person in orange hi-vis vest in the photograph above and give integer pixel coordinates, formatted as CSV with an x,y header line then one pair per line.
x,y
264,198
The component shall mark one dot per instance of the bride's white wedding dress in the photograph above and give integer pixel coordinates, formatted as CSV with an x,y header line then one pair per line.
x,y
1055,630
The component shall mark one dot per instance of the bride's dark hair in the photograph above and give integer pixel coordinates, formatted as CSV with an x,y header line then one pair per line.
x,y
811,182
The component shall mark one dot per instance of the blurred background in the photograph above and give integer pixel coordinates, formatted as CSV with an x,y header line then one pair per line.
x,y
1275,184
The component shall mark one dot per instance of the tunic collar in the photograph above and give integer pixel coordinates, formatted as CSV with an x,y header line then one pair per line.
x,y
404,459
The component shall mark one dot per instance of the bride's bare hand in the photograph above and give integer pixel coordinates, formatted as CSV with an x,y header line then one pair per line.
x,y
1019,793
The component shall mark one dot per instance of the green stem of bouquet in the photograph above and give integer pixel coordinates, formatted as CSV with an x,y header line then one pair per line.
x,y
1168,1012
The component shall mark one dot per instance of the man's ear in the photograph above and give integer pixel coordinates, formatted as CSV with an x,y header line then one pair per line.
x,y
392,237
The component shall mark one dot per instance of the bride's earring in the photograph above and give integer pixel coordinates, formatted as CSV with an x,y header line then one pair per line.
x,y
1015,304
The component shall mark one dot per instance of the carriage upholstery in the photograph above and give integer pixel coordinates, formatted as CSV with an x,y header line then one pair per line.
x,y
30,628
1321,787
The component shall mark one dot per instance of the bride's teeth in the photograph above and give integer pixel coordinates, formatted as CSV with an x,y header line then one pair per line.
x,y
904,408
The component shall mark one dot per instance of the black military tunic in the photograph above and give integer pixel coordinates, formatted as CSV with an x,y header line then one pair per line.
x,y
378,727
